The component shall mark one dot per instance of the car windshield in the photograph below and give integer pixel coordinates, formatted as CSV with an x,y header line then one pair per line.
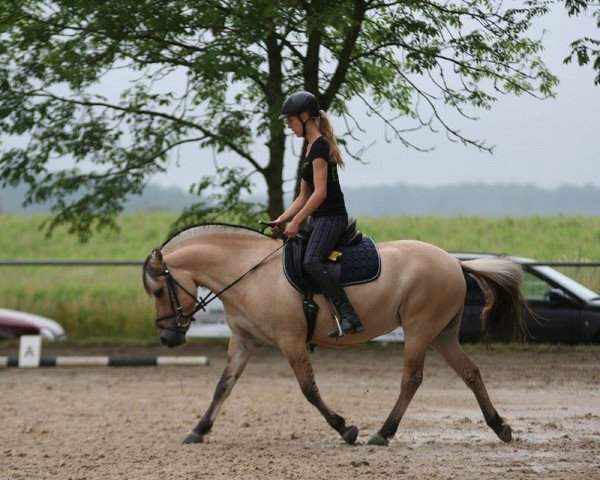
x,y
561,279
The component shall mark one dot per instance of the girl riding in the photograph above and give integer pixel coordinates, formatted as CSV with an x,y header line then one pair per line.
x,y
321,199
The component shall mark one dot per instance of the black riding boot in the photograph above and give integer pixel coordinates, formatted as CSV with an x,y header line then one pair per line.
x,y
349,321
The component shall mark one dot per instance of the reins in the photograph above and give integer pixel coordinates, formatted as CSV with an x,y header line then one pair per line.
x,y
177,310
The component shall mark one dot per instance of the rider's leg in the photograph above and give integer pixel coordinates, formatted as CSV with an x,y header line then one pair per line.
x,y
326,232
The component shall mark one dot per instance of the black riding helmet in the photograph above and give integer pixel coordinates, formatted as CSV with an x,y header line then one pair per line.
x,y
297,103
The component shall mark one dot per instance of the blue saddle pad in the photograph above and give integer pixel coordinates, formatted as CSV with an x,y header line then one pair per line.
x,y
360,263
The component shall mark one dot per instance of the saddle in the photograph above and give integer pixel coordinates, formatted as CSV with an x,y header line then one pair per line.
x,y
353,261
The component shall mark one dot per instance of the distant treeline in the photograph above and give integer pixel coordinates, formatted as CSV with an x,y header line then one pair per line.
x,y
477,199
154,199
474,199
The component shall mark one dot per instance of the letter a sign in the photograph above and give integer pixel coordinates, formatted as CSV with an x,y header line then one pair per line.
x,y
30,350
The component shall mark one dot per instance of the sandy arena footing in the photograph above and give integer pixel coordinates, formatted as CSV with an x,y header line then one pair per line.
x,y
99,423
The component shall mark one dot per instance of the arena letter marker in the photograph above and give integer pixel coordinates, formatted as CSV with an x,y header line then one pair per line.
x,y
30,350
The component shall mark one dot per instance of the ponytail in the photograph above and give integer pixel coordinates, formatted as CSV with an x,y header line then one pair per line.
x,y
326,129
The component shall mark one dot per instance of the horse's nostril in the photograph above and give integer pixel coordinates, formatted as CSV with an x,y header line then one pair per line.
x,y
163,340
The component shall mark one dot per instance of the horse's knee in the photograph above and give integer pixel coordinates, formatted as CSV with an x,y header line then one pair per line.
x,y
414,378
222,386
472,377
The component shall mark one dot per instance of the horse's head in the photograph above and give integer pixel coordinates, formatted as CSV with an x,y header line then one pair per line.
x,y
174,300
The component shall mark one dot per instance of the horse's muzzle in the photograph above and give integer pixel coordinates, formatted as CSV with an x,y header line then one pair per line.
x,y
172,338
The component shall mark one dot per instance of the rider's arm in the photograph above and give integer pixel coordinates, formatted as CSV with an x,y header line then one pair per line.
x,y
319,166
297,204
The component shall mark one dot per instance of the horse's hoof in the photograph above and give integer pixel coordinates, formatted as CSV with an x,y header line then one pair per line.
x,y
378,440
350,435
193,437
505,433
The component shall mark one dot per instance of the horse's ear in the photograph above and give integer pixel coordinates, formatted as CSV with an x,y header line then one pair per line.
x,y
156,261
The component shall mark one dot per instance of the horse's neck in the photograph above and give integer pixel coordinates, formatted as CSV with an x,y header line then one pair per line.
x,y
216,260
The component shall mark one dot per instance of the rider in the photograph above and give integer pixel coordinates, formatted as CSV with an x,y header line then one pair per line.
x,y
321,198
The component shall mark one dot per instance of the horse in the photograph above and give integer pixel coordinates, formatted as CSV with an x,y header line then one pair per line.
x,y
421,287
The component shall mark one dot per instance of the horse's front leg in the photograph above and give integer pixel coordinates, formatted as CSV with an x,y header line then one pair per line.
x,y
299,360
237,357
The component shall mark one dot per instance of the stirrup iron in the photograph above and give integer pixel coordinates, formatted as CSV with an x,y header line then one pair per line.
x,y
336,321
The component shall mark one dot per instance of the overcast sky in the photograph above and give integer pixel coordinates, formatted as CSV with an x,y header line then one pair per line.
x,y
547,143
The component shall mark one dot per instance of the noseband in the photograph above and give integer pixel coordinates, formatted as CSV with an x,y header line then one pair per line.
x,y
183,319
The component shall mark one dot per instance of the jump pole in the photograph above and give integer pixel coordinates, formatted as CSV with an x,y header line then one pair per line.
x,y
30,349
108,361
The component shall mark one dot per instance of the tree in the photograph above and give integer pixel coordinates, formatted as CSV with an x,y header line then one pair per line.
x,y
585,49
239,58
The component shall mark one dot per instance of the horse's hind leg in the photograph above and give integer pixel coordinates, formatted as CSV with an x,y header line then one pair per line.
x,y
412,376
446,344
237,357
299,360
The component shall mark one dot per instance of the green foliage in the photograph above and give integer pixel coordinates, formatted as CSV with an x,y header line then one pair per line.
x,y
224,205
239,59
585,49
95,302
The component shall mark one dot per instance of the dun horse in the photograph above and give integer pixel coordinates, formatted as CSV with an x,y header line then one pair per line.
x,y
421,287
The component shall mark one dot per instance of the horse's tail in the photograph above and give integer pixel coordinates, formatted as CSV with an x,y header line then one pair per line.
x,y
500,280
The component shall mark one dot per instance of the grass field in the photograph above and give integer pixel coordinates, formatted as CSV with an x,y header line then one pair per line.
x,y
109,302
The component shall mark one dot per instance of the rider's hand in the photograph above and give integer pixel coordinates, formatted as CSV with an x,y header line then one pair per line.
x,y
274,224
292,229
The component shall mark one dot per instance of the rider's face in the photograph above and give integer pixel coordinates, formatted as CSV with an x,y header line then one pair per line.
x,y
294,124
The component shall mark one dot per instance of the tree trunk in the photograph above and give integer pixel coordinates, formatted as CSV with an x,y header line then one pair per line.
x,y
299,169
273,173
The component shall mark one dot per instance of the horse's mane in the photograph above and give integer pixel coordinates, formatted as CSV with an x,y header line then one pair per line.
x,y
198,231
207,229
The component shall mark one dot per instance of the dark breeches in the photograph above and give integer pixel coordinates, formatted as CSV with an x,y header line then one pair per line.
x,y
326,232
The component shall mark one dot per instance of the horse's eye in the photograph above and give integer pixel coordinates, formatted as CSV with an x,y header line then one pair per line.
x,y
159,293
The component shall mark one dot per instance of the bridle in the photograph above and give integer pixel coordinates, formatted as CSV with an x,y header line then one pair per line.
x,y
183,319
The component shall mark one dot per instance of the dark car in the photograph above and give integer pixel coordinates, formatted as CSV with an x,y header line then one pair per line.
x,y
567,312
13,324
